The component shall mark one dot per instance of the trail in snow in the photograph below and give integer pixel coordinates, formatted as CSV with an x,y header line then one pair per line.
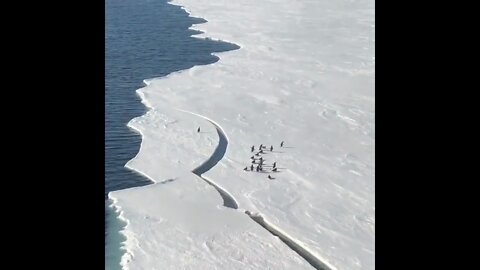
x,y
229,200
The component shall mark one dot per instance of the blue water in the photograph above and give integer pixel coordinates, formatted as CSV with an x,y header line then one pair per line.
x,y
143,39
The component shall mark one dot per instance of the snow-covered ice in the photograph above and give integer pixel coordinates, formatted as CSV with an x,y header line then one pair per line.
x,y
304,75
180,225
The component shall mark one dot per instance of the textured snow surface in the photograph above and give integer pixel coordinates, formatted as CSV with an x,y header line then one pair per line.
x,y
304,75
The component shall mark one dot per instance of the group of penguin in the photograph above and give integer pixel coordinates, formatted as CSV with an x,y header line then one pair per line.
x,y
261,160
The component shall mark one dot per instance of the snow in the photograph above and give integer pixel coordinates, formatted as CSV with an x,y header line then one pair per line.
x,y
304,75
180,225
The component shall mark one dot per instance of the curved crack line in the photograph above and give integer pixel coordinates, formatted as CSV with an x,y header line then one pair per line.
x,y
229,201
217,155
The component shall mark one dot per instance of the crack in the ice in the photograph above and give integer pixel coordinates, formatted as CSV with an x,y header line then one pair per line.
x,y
218,153
293,244
229,201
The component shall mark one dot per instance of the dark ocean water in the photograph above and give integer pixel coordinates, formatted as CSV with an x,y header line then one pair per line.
x,y
143,39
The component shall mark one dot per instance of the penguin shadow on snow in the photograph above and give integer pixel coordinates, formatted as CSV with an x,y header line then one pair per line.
x,y
278,168
200,131
167,181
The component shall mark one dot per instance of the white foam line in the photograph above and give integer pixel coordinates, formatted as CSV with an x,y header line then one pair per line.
x,y
129,237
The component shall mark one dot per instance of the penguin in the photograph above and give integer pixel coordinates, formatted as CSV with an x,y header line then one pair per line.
x,y
246,168
271,148
274,164
261,146
198,129
269,177
253,148
281,144
251,167
274,170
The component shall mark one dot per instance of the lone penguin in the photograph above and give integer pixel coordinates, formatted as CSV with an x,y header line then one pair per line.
x,y
246,168
269,177
253,148
281,144
271,148
198,129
